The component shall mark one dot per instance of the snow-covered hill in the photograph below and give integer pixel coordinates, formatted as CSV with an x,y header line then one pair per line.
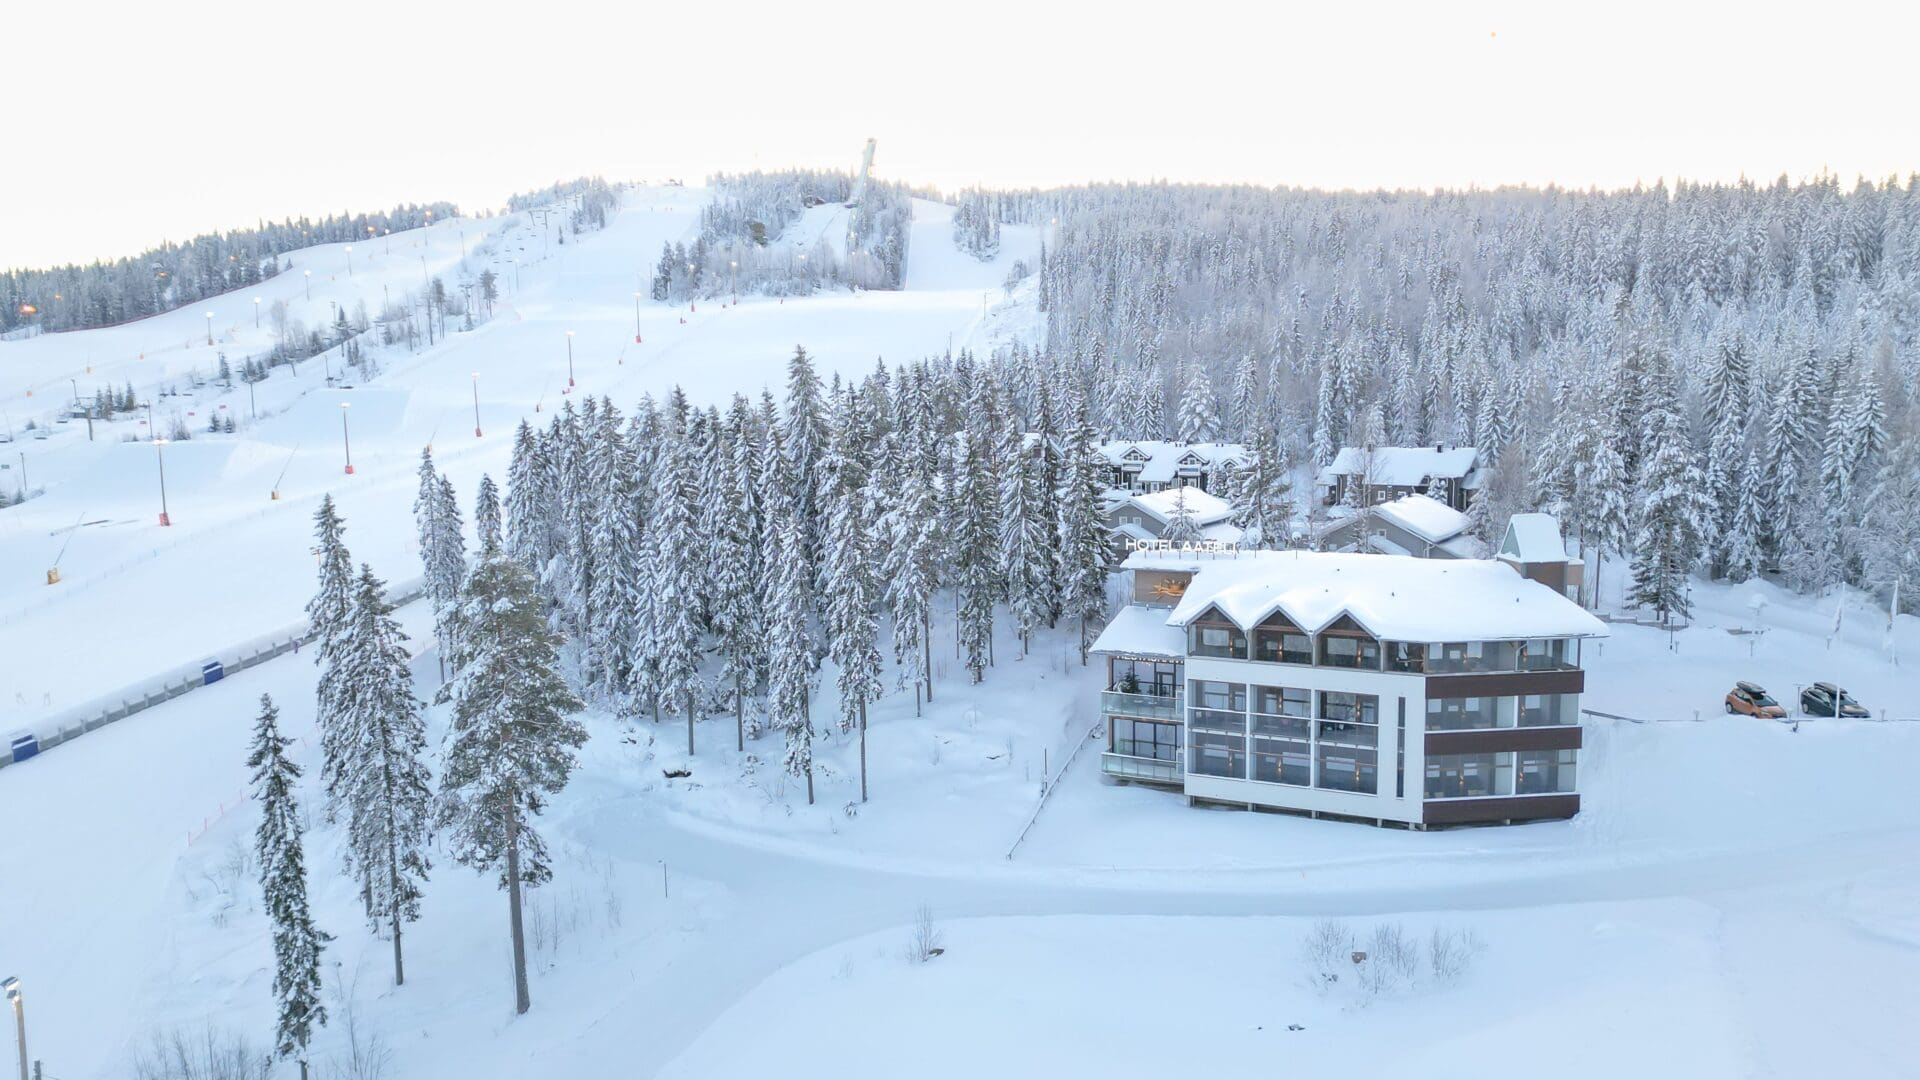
x,y
135,599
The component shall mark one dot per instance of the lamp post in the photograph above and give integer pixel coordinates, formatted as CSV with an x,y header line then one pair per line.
x,y
160,459
349,260
636,318
12,986
346,444
476,404
309,280
569,358
733,280
209,327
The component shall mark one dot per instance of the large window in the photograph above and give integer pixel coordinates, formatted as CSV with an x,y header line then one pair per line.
x,y
1283,735
1546,654
1282,761
1348,741
1406,656
1463,714
1349,651
1544,772
1155,678
1453,656
1217,706
1145,738
1279,642
1211,635
1283,701
1469,776
1548,710
1215,754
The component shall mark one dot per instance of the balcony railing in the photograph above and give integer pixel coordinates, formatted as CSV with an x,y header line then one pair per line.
x,y
1147,706
1133,768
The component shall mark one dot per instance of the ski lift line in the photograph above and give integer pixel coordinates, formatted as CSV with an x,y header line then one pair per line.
x,y
63,544
285,467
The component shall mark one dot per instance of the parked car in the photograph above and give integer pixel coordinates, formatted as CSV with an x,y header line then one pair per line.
x,y
1750,700
1818,700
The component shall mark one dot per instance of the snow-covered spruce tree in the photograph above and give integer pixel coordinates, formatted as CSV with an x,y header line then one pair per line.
x,y
975,554
486,518
1082,549
572,579
675,585
1605,492
1263,493
330,614
618,580
1669,512
1199,415
529,502
512,740
1245,404
383,780
803,438
731,512
851,629
448,571
911,530
1182,526
1026,534
605,464
790,656
297,943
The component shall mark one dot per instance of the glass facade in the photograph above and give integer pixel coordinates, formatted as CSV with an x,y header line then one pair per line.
x,y
1342,650
1466,714
1210,637
1347,743
1450,657
1145,738
1278,642
1544,772
1469,776
1549,710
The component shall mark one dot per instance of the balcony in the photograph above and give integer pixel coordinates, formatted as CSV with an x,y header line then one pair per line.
x,y
1149,770
1163,707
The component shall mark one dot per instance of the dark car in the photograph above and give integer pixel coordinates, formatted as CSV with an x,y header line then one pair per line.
x,y
1749,699
1818,700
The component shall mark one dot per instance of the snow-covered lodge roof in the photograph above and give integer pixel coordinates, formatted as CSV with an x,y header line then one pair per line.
x,y
1392,598
1429,519
1204,508
1534,538
1160,461
1139,630
1404,466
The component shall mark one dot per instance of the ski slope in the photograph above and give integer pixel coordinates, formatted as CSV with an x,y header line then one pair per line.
x,y
136,599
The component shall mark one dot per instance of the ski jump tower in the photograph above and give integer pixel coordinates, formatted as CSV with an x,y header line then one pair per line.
x,y
857,200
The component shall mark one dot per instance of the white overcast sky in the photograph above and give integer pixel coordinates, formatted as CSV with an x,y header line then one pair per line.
x,y
132,123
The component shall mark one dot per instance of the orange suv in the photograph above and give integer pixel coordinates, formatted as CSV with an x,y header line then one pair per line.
x,y
1749,699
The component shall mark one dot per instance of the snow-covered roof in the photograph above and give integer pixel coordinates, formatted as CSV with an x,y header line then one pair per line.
x,y
1403,466
1205,508
1394,598
1534,538
1139,630
1160,460
1429,519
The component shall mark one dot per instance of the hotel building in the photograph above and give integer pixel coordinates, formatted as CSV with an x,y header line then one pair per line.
x,y
1368,687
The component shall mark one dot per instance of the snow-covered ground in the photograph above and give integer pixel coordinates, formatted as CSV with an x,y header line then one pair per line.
x,y
1735,899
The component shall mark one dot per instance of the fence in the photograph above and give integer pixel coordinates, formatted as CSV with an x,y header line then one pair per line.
x,y
70,725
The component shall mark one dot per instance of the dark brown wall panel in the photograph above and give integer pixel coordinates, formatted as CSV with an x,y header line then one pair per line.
x,y
1496,740
1515,808
1508,684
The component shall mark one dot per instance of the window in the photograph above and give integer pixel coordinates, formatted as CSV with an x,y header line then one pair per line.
x,y
1218,755
1155,678
1406,656
1145,738
1282,761
1349,651
1453,656
1347,741
1547,710
1469,776
1217,706
1544,772
1463,714
1545,654
1283,700
1279,642
1210,635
